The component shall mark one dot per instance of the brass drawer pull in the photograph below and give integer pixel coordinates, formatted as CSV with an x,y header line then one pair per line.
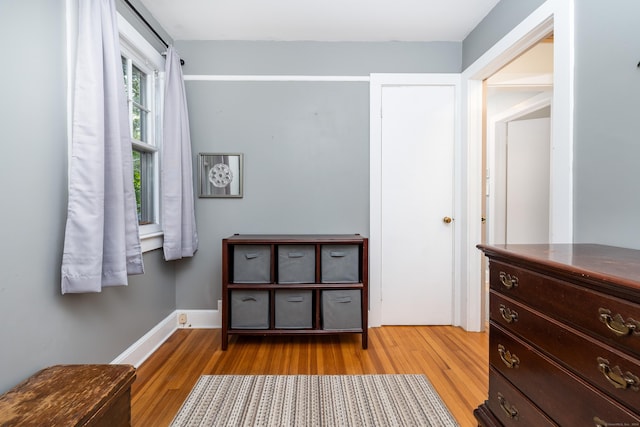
x,y
507,314
616,377
617,324
510,410
508,281
511,360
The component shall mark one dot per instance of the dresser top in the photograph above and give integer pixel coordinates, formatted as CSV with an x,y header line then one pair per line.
x,y
597,263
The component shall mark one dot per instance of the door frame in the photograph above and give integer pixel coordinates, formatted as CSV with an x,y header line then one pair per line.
x,y
377,82
525,107
556,16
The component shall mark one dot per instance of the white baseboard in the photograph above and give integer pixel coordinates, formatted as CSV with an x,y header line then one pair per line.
x,y
201,319
145,346
139,351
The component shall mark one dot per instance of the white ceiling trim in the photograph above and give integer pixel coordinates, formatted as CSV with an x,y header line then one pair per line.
x,y
273,78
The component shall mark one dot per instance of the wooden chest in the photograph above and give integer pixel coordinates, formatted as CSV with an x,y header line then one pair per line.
x,y
564,337
71,395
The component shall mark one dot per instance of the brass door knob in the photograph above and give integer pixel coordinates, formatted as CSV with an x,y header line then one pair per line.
x,y
447,220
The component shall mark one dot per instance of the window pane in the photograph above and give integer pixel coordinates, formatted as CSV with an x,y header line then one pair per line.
x,y
139,86
137,185
139,124
143,185
126,76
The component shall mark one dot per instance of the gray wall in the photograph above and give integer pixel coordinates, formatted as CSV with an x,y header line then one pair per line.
x,y
306,144
318,58
607,123
502,19
41,327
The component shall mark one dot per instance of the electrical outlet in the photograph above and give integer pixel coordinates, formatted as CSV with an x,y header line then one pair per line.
x,y
182,318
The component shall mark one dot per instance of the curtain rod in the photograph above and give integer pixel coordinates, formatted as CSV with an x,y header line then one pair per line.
x,y
149,26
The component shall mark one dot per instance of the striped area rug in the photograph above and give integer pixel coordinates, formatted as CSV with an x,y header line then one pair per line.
x,y
313,400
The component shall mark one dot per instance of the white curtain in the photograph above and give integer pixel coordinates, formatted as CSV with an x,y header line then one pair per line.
x,y
178,217
102,244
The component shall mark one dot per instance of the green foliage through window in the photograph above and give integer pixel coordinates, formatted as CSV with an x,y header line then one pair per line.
x,y
138,86
137,181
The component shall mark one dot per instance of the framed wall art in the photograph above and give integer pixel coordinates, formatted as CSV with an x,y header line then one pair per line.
x,y
220,175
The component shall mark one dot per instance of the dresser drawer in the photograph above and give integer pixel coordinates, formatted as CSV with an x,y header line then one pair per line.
x,y
565,398
610,370
608,318
511,407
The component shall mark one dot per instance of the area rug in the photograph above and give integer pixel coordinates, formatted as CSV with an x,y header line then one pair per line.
x,y
313,400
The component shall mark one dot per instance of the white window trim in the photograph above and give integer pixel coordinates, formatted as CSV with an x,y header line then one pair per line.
x,y
137,47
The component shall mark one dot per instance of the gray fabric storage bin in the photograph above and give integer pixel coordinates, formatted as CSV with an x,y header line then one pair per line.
x,y
249,309
251,264
294,309
341,310
296,264
340,264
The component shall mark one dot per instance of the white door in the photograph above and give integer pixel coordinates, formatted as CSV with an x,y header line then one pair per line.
x,y
528,167
418,135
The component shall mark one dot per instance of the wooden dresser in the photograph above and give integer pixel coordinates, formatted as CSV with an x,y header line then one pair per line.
x,y
564,340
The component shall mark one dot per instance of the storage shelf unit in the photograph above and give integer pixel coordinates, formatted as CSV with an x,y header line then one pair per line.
x,y
294,285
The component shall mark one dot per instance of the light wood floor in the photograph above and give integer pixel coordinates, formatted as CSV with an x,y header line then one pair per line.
x,y
453,360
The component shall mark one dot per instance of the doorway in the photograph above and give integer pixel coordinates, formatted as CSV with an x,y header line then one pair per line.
x,y
552,17
517,148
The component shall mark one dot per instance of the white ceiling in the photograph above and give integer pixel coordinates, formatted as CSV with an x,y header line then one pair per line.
x,y
319,20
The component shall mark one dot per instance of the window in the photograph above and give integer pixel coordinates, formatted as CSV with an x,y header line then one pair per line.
x,y
142,68
139,90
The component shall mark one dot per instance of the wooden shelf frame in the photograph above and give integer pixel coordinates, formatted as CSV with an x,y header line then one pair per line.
x,y
273,241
